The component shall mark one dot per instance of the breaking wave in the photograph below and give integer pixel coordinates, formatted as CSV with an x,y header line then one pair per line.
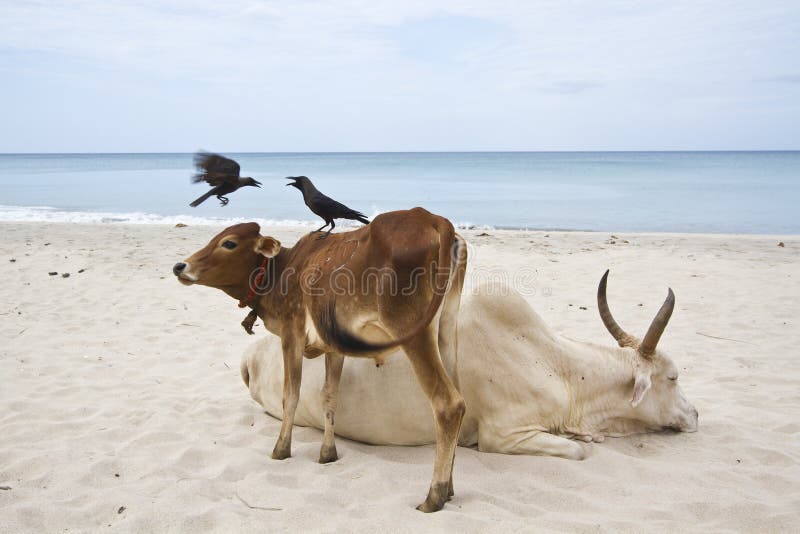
x,y
55,215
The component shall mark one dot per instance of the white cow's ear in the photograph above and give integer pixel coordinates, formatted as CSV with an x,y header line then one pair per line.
x,y
268,246
640,387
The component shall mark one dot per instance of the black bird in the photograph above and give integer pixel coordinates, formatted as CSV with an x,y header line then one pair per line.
x,y
220,172
324,206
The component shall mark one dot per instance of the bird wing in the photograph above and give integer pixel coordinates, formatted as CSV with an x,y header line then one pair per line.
x,y
335,209
215,169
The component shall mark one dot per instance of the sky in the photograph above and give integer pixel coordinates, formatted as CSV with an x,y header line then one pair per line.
x,y
352,75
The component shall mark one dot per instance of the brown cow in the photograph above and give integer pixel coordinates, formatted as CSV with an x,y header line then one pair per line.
x,y
331,296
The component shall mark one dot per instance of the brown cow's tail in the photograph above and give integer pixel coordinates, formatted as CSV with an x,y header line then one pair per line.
x,y
347,342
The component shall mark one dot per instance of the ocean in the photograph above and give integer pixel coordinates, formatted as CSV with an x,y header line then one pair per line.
x,y
708,192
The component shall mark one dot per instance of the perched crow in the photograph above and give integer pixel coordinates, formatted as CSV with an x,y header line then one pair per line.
x,y
325,207
221,173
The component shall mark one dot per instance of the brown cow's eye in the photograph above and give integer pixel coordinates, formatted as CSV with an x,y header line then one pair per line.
x,y
230,245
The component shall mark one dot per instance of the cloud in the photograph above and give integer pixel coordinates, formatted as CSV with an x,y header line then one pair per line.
x,y
388,75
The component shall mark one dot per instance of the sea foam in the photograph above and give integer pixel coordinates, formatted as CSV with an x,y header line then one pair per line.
x,y
50,214
54,215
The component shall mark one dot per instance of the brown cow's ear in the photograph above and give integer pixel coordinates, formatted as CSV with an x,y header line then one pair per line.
x,y
268,246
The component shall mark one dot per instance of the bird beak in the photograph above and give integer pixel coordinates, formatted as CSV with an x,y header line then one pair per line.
x,y
257,183
291,178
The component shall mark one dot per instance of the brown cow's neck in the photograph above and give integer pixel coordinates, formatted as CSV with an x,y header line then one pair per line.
x,y
235,291
274,267
270,304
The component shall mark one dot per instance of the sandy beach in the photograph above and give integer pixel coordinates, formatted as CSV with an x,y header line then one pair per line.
x,y
123,408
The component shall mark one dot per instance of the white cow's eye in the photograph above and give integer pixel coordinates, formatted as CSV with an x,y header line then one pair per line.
x,y
230,245
673,378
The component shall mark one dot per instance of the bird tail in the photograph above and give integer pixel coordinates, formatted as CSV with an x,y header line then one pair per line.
x,y
200,200
358,216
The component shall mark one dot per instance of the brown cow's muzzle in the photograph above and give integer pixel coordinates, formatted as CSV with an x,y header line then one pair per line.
x,y
181,270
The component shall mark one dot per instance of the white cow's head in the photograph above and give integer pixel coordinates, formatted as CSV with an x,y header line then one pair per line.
x,y
656,400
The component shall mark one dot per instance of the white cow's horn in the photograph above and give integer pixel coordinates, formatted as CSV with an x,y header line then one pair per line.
x,y
648,345
622,337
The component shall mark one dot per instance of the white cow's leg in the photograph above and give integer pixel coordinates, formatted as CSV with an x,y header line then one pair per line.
x,y
537,443
333,372
292,373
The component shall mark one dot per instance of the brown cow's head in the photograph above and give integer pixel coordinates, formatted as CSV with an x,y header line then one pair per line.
x,y
656,399
229,259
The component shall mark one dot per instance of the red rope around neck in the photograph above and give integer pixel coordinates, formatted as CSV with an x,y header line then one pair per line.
x,y
262,271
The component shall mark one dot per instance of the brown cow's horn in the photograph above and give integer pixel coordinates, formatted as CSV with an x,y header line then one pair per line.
x,y
648,345
614,329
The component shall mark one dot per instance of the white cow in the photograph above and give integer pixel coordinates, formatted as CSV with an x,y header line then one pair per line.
x,y
527,389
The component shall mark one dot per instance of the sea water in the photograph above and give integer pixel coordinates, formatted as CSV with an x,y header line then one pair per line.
x,y
728,192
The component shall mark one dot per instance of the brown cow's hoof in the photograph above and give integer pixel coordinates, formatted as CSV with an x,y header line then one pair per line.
x,y
281,453
437,496
328,455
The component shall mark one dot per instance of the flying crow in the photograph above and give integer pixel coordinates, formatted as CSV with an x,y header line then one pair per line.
x,y
222,174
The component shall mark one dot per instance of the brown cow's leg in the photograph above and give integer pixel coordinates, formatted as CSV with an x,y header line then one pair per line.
x,y
448,411
448,326
333,372
292,372
448,347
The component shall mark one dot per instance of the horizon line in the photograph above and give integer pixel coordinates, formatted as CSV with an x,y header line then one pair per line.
x,y
334,152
